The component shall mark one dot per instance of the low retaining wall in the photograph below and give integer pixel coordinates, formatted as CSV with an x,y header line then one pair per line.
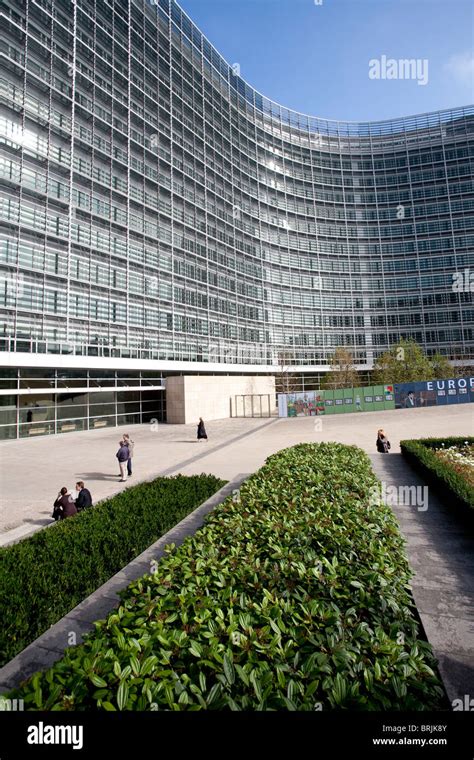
x,y
69,631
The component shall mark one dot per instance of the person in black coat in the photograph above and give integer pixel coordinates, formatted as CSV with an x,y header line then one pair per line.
x,y
84,498
201,430
382,442
64,505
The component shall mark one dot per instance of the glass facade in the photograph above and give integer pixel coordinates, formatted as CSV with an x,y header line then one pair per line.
x,y
156,206
47,401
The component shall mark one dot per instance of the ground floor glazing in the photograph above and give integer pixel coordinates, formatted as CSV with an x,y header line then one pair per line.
x,y
35,402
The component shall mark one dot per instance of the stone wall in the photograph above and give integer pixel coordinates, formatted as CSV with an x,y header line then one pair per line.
x,y
189,397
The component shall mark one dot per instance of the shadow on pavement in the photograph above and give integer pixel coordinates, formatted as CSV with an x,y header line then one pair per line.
x,y
98,476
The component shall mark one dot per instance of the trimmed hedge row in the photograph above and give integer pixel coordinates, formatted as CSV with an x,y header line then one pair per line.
x,y
419,453
46,575
294,595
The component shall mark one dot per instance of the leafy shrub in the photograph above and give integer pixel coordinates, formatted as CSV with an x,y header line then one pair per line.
x,y
293,596
449,481
43,577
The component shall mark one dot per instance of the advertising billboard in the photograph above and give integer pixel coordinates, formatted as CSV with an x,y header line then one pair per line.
x,y
459,390
374,398
340,401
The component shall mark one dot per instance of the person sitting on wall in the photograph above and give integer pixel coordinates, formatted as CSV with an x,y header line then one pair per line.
x,y
84,498
64,505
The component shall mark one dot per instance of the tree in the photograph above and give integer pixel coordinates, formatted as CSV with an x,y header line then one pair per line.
x,y
463,365
406,362
285,381
442,367
343,374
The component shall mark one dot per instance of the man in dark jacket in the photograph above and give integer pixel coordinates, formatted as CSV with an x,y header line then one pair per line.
x,y
64,505
84,498
122,455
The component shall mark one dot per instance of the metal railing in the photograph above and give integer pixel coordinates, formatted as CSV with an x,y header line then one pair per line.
x,y
253,405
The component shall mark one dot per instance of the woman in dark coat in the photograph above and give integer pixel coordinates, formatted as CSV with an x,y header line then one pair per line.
x,y
64,505
201,431
382,442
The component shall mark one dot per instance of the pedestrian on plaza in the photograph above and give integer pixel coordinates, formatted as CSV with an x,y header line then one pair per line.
x,y
123,455
64,505
201,431
382,442
83,498
131,446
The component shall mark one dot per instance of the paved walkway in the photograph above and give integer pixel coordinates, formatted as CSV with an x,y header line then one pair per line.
x,y
33,471
440,549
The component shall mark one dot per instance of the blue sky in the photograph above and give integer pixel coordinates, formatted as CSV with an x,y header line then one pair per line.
x,y
315,58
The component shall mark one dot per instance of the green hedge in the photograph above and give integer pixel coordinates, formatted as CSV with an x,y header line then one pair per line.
x,y
43,577
294,595
452,485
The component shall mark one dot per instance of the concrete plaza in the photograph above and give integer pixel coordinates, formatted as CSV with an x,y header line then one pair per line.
x,y
33,471
440,548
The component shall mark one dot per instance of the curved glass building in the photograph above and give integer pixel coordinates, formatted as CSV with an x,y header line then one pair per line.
x,y
156,208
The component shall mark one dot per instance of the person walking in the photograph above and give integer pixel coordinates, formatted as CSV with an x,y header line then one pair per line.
x,y
83,498
201,430
382,442
131,446
64,505
123,455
